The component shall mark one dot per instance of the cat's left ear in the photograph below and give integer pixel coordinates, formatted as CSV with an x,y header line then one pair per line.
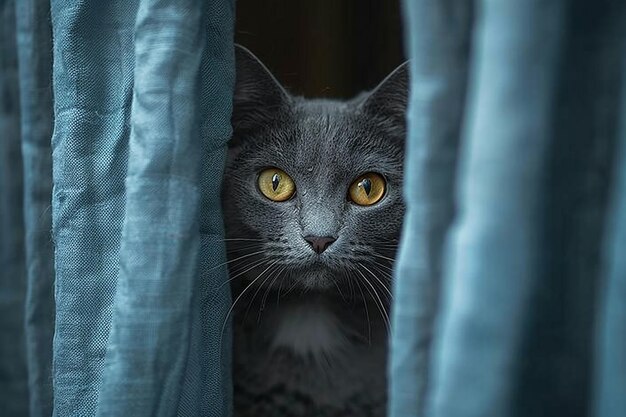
x,y
258,97
389,98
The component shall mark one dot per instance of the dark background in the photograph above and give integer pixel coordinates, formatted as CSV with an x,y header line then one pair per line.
x,y
323,48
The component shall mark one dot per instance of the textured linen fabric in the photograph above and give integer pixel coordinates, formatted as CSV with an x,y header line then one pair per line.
x,y
610,400
164,351
439,79
137,315
497,247
13,375
34,42
530,316
92,82
111,301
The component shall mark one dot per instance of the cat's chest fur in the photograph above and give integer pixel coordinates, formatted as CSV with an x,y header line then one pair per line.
x,y
309,357
308,329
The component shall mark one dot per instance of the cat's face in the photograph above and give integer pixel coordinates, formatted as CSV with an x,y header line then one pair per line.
x,y
313,187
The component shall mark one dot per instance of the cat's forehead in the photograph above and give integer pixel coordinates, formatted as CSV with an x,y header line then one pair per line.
x,y
334,136
325,141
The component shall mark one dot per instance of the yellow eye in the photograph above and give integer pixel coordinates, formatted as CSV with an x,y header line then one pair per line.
x,y
276,185
367,189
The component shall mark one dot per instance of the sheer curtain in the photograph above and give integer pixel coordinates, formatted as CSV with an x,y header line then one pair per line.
x,y
511,279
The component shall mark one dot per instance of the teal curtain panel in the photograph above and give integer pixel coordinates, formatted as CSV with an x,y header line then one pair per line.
x,y
114,126
13,363
33,34
510,283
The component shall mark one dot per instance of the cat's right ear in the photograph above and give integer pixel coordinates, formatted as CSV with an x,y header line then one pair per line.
x,y
258,96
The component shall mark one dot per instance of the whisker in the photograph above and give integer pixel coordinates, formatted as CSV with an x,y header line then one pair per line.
x,y
383,265
293,286
367,313
385,245
351,286
379,281
236,251
387,241
240,273
378,255
242,264
280,286
386,275
387,272
269,275
230,310
232,307
380,307
387,298
236,259
232,246
267,291
339,290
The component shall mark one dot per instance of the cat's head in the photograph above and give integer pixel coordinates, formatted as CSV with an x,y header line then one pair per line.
x,y
312,190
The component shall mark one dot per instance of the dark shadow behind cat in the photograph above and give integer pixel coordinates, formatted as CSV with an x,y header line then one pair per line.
x,y
313,207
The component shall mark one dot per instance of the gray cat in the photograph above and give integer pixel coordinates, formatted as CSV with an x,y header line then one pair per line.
x,y
313,208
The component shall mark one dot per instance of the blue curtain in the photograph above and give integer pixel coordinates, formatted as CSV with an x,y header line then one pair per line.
x,y
13,364
511,280
115,116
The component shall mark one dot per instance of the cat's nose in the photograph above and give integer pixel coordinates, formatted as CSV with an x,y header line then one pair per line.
x,y
320,243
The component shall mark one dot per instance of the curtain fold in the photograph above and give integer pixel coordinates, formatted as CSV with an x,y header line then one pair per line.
x,y
92,82
529,317
132,277
115,118
34,40
497,247
158,357
149,339
13,365
438,34
610,375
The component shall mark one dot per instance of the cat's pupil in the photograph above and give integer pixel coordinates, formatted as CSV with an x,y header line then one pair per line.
x,y
275,181
366,184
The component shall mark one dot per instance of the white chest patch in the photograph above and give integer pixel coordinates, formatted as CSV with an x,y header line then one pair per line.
x,y
309,329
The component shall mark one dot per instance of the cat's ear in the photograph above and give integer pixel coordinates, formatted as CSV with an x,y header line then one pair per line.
x,y
258,96
389,98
